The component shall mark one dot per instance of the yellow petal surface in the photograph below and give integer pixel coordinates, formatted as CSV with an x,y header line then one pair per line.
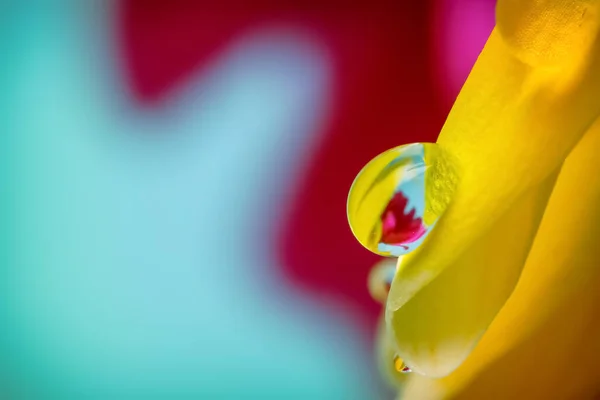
x,y
545,343
387,357
510,130
439,326
545,32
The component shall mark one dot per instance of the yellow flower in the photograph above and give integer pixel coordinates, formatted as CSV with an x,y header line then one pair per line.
x,y
521,216
545,342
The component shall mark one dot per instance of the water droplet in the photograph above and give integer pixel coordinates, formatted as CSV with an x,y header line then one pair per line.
x,y
380,279
400,366
397,198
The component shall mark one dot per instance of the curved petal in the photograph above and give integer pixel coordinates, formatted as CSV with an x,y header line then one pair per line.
x,y
437,329
510,129
386,357
548,332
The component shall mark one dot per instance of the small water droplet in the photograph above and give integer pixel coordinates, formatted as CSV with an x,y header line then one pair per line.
x,y
380,279
397,198
400,366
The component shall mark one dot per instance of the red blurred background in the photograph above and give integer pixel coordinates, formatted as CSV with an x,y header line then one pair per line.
x,y
397,67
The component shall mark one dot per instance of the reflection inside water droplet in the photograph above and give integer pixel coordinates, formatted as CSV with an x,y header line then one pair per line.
x,y
397,198
400,366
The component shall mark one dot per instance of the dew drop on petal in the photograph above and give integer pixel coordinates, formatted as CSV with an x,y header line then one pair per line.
x,y
400,366
380,279
398,197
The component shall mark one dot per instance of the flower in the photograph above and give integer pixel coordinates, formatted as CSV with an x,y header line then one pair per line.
x,y
522,223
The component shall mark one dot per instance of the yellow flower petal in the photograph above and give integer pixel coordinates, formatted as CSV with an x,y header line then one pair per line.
x,y
387,357
511,128
437,329
545,32
546,340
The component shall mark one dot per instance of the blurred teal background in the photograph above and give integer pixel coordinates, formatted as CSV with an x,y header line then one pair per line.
x,y
138,265
140,238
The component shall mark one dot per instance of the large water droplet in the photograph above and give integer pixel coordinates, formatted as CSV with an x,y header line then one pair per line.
x,y
397,198
380,279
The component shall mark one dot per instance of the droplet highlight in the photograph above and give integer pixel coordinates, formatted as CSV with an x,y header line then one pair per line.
x,y
397,198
